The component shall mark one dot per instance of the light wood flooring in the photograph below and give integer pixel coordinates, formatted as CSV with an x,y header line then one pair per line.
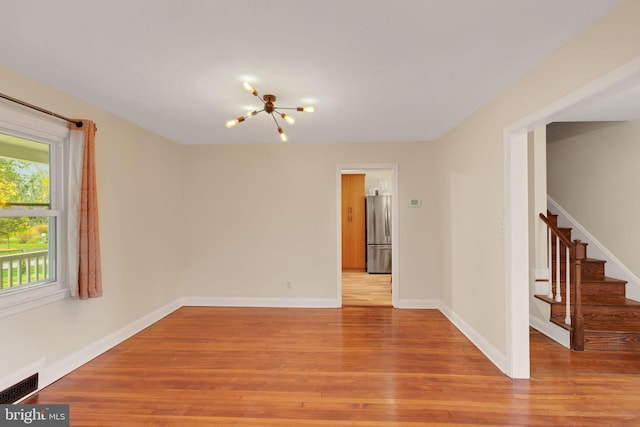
x,y
360,288
355,366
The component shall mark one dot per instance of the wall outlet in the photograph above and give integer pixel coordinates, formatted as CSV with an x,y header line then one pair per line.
x,y
289,285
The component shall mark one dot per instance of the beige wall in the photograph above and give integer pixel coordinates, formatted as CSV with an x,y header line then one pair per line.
x,y
139,177
594,174
264,215
538,197
471,166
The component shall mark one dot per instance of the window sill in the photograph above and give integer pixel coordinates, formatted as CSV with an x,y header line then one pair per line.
x,y
19,300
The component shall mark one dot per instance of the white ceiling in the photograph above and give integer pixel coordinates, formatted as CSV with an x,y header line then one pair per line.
x,y
401,70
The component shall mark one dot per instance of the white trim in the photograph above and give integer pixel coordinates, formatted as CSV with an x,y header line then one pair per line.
x,y
395,238
260,302
615,267
516,206
58,369
30,297
25,123
339,233
516,241
51,213
418,303
495,356
395,224
553,331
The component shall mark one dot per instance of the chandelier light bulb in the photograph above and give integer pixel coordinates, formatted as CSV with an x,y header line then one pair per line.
x,y
249,88
283,136
289,119
251,114
309,109
232,123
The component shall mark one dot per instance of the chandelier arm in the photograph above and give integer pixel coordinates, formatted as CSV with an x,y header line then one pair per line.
x,y
287,108
274,119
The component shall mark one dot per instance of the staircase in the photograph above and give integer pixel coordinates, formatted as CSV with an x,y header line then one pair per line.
x,y
602,317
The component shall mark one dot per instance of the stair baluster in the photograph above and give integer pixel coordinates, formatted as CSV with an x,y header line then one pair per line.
x,y
573,315
549,264
558,291
567,284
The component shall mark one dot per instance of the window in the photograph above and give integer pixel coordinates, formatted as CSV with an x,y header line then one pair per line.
x,y
32,213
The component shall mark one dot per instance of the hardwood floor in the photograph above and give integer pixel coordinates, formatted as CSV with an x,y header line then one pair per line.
x,y
207,366
361,289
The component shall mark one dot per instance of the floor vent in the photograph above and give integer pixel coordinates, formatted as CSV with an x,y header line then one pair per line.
x,y
19,390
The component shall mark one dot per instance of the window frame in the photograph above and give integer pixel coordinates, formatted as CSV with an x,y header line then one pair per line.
x,y
24,123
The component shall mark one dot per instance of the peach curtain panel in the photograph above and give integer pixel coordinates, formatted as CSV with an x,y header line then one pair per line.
x,y
89,267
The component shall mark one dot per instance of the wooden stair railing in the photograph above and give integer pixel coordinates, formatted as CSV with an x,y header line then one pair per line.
x,y
575,253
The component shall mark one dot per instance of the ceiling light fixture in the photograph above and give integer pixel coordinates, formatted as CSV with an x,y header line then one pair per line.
x,y
268,102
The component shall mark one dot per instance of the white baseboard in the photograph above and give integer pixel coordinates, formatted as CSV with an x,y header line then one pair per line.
x,y
555,332
418,303
292,302
260,302
62,367
495,356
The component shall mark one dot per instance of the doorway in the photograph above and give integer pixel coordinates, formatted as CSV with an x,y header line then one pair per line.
x,y
516,207
365,280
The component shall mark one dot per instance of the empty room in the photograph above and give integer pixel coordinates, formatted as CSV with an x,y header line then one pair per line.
x,y
346,213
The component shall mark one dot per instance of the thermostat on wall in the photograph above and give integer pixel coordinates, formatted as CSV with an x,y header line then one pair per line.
x,y
415,203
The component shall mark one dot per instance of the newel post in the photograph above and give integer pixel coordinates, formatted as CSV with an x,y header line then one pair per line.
x,y
577,319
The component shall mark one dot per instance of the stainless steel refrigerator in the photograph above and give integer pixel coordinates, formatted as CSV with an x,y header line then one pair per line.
x,y
378,209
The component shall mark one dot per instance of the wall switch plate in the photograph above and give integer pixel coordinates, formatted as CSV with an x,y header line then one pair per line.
x,y
415,203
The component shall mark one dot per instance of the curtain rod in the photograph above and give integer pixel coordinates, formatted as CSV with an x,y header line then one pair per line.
x,y
42,110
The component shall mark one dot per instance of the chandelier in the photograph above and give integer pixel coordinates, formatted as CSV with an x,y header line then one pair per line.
x,y
268,102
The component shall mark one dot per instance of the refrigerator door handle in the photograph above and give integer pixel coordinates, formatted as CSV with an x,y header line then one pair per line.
x,y
387,221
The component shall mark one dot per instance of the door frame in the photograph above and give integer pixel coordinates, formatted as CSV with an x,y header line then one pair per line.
x,y
516,207
395,224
